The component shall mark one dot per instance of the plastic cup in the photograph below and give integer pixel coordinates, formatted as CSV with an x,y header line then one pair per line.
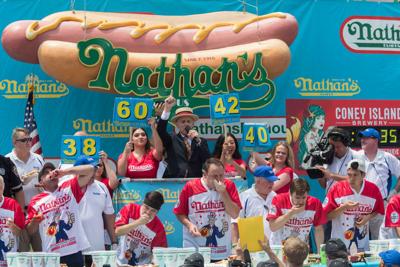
x,y
258,256
170,257
183,253
52,260
376,246
206,252
23,260
158,256
11,258
37,259
104,257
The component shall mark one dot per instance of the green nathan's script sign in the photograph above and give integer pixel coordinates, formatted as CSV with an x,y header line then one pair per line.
x,y
184,82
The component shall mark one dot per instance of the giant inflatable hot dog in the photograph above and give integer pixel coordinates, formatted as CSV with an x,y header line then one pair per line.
x,y
148,40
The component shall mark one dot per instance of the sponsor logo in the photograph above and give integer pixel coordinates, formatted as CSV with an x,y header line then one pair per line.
x,y
137,234
169,195
369,34
394,217
54,204
42,88
126,197
300,222
207,206
360,209
169,227
276,127
105,128
327,87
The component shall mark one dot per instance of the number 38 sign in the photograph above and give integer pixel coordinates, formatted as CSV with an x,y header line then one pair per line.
x,y
133,111
255,137
74,146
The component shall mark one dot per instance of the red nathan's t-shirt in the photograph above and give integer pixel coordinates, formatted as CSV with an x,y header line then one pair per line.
x,y
230,170
286,187
145,168
300,224
136,246
392,218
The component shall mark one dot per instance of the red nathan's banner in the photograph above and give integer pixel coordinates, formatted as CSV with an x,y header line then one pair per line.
x,y
308,121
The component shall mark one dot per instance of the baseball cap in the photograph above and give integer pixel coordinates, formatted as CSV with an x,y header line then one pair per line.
x,y
86,160
357,164
268,263
335,248
370,132
265,172
390,257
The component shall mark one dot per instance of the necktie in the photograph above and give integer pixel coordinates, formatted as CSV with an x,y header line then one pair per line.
x,y
188,148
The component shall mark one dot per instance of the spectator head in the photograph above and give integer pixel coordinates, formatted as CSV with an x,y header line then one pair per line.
x,y
152,204
340,139
46,177
264,178
295,251
390,258
335,248
369,139
299,190
213,169
21,140
139,138
282,152
339,262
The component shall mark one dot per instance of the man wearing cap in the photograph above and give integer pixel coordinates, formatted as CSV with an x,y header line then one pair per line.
x,y
351,205
257,200
140,230
95,203
335,249
380,168
206,204
293,214
57,209
186,151
389,258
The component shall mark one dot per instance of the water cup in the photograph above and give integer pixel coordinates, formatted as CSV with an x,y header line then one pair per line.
x,y
258,256
394,244
51,260
12,259
183,253
104,257
170,257
158,256
376,246
37,259
206,252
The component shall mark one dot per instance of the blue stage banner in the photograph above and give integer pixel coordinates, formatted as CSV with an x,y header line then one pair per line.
x,y
135,190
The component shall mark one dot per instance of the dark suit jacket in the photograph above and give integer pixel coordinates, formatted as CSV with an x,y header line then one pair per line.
x,y
178,165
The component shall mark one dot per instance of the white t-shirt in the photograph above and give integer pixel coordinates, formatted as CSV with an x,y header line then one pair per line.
x,y
339,166
205,208
95,202
378,170
35,162
343,226
254,205
61,229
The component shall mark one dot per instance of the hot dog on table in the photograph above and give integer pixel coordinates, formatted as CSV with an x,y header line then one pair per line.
x,y
202,39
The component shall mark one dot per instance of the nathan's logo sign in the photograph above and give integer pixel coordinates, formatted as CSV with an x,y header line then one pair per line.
x,y
327,87
367,34
12,89
105,128
196,83
170,196
169,227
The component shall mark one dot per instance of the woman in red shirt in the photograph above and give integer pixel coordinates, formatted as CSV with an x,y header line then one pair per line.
x,y
140,159
227,150
282,163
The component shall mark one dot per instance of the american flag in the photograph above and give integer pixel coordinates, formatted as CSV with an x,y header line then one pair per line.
x,y
30,122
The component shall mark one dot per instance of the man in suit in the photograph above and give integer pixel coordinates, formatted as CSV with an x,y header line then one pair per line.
x,y
186,151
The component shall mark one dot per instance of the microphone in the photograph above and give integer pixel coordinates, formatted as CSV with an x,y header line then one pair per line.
x,y
197,139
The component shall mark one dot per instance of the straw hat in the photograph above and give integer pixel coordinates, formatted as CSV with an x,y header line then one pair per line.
x,y
184,112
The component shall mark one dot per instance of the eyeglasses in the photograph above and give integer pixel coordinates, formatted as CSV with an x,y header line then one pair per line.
x,y
24,140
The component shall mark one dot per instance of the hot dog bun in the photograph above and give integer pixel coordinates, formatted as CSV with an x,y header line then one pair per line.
x,y
60,60
148,33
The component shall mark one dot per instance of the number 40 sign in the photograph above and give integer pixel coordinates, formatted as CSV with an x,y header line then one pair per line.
x,y
255,137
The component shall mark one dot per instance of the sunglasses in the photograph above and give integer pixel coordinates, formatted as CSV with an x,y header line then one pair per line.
x,y
24,140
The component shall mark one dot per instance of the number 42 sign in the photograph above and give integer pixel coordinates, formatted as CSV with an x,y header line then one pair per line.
x,y
224,108
255,137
